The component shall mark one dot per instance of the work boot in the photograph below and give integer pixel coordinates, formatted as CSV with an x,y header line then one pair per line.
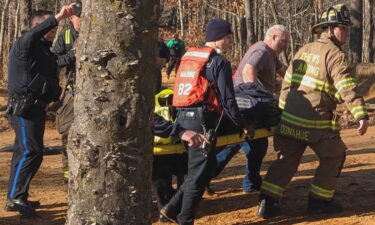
x,y
10,207
319,206
163,219
209,190
268,207
23,207
168,212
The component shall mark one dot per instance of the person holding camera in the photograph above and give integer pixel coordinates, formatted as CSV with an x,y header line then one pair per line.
x,y
65,52
32,84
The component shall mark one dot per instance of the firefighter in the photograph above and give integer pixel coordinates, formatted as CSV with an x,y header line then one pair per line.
x,y
65,52
318,78
203,91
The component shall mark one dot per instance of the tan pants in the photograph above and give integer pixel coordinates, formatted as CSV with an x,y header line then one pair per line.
x,y
331,153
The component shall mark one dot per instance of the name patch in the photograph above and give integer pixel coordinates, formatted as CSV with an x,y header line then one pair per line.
x,y
294,133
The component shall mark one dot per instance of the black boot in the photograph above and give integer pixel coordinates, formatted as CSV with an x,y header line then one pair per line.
x,y
209,190
319,206
169,213
10,207
23,207
268,207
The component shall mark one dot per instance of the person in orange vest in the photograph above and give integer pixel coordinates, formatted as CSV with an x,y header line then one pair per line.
x,y
318,78
203,92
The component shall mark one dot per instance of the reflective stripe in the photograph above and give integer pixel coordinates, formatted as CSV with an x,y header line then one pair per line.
x,y
359,111
204,55
281,104
67,37
315,124
310,82
321,192
272,188
23,158
347,82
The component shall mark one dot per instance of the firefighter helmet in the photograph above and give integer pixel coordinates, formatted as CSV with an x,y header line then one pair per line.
x,y
333,16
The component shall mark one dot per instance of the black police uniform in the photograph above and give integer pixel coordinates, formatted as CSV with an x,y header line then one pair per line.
x,y
32,84
63,48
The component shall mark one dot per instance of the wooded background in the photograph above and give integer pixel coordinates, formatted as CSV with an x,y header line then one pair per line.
x,y
250,19
110,144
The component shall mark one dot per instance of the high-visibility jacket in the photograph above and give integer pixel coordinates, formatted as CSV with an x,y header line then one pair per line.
x,y
164,111
318,78
191,87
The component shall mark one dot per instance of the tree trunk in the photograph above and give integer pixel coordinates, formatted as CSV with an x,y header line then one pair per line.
x,y
25,14
181,14
3,48
110,142
249,23
367,32
356,31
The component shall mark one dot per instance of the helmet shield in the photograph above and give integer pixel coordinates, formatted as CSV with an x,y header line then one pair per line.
x,y
333,16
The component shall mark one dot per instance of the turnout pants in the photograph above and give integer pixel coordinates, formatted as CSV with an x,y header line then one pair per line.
x,y
27,151
331,153
64,120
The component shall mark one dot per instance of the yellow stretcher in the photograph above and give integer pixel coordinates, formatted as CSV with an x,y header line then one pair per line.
x,y
221,141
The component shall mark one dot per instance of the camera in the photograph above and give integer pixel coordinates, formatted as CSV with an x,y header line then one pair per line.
x,y
77,9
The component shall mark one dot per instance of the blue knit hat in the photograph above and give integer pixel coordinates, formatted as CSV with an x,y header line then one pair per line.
x,y
217,29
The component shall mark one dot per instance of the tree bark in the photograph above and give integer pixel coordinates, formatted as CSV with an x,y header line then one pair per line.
x,y
367,32
250,39
355,43
25,14
110,142
181,14
3,48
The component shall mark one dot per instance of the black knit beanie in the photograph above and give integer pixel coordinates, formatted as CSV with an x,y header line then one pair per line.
x,y
217,29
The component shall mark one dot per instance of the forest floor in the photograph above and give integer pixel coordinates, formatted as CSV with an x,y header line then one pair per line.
x,y
229,206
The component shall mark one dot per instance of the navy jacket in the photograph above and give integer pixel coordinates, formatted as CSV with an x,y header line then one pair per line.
x,y
164,128
219,70
30,55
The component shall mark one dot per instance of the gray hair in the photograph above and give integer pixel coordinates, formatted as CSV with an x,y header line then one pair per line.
x,y
278,27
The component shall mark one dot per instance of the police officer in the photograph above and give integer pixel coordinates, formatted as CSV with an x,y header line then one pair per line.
x,y
32,84
203,91
318,78
65,52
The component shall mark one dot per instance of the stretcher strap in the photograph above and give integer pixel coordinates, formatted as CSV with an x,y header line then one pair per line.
x,y
221,141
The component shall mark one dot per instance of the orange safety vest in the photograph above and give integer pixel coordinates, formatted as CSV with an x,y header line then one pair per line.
x,y
191,87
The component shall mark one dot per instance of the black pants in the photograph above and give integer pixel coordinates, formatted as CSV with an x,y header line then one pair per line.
x,y
174,62
27,151
188,196
164,167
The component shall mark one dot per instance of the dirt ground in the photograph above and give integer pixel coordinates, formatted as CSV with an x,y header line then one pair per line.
x,y
229,206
